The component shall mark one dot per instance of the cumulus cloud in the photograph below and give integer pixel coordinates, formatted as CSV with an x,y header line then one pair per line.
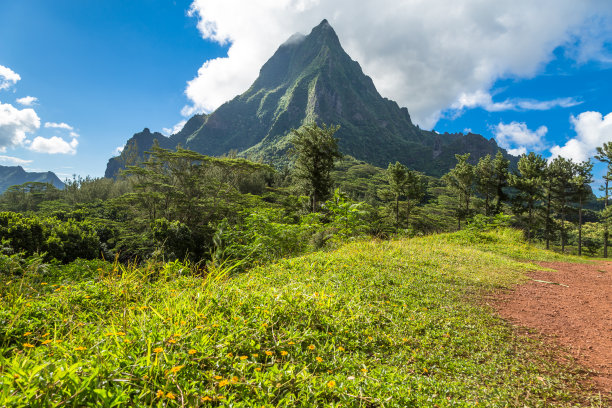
x,y
15,124
592,130
27,100
13,161
484,100
8,77
175,129
62,125
425,54
53,145
517,138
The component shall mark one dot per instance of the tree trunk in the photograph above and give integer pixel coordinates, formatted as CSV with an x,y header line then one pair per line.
x,y
580,228
606,234
396,213
548,219
563,229
530,221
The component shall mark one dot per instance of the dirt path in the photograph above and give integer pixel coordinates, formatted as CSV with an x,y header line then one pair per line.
x,y
573,308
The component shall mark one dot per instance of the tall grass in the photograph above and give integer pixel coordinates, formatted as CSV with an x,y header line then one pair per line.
x,y
374,323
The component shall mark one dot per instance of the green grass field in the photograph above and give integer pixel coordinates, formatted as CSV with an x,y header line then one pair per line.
x,y
372,324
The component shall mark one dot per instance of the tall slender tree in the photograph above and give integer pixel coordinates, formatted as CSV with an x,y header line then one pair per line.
x,y
563,171
604,155
405,184
583,177
460,180
486,183
316,150
500,170
528,182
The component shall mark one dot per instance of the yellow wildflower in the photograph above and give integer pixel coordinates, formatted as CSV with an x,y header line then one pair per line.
x,y
255,355
46,334
284,353
340,348
311,347
192,351
26,334
176,369
80,348
291,343
223,383
158,350
364,370
160,394
257,368
47,342
218,377
171,341
269,353
244,357
170,396
28,345
206,399
319,359
331,384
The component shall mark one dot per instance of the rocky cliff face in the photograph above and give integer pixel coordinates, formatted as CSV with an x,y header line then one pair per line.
x,y
311,78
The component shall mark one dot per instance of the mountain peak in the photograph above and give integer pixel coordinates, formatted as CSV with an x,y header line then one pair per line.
x,y
324,30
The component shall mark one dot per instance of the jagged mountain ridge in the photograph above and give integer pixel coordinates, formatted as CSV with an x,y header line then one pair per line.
x,y
311,78
15,175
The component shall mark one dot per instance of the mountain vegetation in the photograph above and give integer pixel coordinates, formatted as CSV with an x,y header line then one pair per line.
x,y
15,175
311,79
265,257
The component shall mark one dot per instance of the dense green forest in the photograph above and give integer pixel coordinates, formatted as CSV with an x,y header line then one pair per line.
x,y
187,206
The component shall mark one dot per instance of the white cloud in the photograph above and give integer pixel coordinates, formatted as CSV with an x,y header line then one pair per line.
x,y
15,124
58,125
8,77
484,100
53,145
592,130
425,54
27,100
518,138
119,149
14,161
175,129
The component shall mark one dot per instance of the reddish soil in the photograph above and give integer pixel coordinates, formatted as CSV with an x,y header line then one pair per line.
x,y
573,310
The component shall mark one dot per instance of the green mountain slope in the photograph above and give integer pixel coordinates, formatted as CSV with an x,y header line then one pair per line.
x,y
15,175
311,78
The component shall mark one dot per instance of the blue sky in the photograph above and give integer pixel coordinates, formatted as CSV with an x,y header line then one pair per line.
x,y
535,77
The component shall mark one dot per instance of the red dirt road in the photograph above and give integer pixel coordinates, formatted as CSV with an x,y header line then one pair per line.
x,y
574,310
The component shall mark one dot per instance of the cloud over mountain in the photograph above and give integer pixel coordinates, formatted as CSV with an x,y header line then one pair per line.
x,y
424,54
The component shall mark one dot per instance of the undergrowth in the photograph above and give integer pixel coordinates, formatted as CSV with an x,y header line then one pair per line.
x,y
373,324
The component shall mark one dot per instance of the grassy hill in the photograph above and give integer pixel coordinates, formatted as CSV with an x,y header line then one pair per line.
x,y
374,323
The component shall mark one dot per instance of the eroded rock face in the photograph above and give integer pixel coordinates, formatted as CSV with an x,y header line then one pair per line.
x,y
311,78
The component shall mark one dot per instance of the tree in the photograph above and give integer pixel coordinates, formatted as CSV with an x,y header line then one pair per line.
x,y
486,183
404,183
500,174
562,172
460,180
604,155
316,150
529,185
583,177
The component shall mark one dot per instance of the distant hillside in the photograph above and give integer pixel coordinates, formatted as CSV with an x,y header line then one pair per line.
x,y
13,175
311,78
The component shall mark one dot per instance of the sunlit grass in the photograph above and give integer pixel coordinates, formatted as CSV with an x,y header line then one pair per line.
x,y
371,324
